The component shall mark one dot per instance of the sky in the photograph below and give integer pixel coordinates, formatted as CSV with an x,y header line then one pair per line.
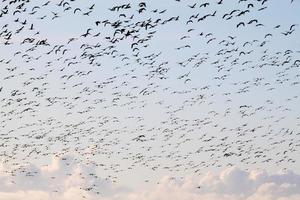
x,y
100,101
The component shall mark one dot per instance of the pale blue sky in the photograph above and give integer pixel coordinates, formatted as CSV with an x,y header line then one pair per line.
x,y
149,112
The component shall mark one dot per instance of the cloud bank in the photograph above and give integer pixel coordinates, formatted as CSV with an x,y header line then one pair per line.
x,y
63,179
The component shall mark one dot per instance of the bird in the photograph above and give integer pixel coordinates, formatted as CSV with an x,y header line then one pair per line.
x,y
240,24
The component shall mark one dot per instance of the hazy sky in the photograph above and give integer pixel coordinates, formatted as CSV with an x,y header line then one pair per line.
x,y
196,97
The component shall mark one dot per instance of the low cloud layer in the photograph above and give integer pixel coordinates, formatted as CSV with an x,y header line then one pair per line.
x,y
63,179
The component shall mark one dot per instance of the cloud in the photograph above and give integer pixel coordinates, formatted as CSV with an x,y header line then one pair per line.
x,y
230,184
34,195
64,179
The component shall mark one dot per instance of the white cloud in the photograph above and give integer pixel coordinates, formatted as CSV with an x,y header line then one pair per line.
x,y
230,184
33,195
63,179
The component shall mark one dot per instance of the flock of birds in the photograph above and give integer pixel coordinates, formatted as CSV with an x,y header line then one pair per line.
x,y
122,92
